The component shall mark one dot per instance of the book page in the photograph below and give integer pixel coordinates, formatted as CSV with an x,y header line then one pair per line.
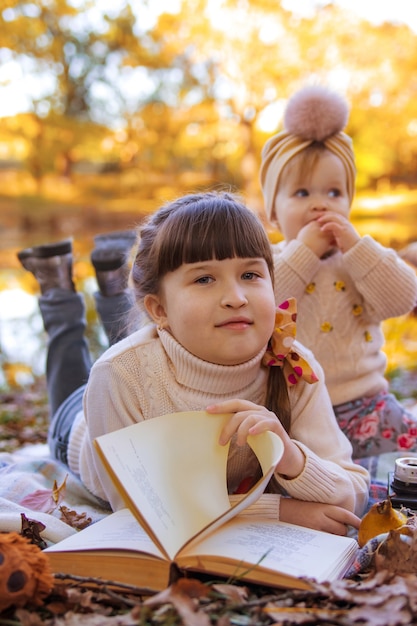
x,y
117,531
278,546
268,449
172,472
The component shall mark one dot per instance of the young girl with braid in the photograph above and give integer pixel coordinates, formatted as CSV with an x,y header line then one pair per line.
x,y
215,341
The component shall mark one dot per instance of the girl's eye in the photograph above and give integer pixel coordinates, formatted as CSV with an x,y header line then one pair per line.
x,y
204,280
301,193
249,276
334,193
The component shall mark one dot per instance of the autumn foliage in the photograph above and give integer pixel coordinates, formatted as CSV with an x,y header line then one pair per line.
x,y
183,99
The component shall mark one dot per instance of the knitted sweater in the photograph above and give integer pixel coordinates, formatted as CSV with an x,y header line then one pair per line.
x,y
341,302
150,374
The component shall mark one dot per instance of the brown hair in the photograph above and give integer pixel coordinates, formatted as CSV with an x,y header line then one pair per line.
x,y
304,162
200,227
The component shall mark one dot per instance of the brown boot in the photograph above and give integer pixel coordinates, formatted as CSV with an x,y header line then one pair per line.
x,y
51,265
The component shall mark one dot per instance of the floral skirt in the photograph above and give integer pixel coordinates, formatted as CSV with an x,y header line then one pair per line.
x,y
377,424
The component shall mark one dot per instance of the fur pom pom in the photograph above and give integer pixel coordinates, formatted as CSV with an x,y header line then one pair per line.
x,y
315,113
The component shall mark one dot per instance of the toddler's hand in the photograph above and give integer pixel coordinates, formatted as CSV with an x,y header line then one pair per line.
x,y
326,517
313,236
249,418
341,230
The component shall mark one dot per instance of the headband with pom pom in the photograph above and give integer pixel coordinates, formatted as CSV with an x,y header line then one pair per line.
x,y
316,113
313,114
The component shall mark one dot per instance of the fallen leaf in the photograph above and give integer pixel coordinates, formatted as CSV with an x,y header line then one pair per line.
x,y
28,618
31,529
92,619
391,612
74,519
182,595
189,587
303,615
45,500
231,592
59,492
398,553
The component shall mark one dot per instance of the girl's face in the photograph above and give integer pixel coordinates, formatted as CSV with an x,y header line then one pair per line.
x,y
299,202
220,311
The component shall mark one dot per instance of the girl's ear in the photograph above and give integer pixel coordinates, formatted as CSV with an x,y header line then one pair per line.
x,y
156,310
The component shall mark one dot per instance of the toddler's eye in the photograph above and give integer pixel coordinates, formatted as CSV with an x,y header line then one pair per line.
x,y
334,193
249,275
301,193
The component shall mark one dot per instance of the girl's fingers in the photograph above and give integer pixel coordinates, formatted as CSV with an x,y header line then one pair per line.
x,y
231,406
327,517
248,423
346,517
238,423
247,418
244,415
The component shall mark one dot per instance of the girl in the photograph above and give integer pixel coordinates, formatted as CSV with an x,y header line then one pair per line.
x,y
345,285
203,276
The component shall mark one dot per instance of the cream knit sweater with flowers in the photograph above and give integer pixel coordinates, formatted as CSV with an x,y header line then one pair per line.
x,y
150,374
341,302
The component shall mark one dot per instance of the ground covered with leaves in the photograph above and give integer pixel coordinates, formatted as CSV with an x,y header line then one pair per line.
x,y
386,596
382,599
24,416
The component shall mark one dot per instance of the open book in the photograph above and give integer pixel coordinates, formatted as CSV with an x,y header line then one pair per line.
x,y
171,472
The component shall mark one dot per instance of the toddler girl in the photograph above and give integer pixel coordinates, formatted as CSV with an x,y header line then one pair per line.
x,y
345,285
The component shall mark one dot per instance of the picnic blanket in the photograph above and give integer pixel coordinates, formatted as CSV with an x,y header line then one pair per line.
x,y
27,477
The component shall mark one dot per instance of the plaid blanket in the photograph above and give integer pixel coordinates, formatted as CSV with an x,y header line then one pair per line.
x,y
26,480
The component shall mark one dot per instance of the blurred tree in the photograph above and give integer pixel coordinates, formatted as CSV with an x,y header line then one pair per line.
x,y
187,99
245,58
262,53
83,53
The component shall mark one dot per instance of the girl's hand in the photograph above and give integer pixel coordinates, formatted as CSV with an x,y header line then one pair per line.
x,y
327,517
340,229
252,419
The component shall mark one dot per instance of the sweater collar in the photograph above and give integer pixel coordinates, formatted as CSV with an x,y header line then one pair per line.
x,y
200,375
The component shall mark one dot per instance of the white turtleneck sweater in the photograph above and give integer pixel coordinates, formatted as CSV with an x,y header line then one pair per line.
x,y
149,374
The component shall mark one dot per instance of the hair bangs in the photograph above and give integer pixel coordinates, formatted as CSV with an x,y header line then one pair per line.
x,y
222,230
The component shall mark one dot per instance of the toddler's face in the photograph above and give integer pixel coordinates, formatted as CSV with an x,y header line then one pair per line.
x,y
299,202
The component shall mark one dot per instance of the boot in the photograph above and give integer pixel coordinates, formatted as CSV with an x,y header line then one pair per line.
x,y
110,259
51,265
124,238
